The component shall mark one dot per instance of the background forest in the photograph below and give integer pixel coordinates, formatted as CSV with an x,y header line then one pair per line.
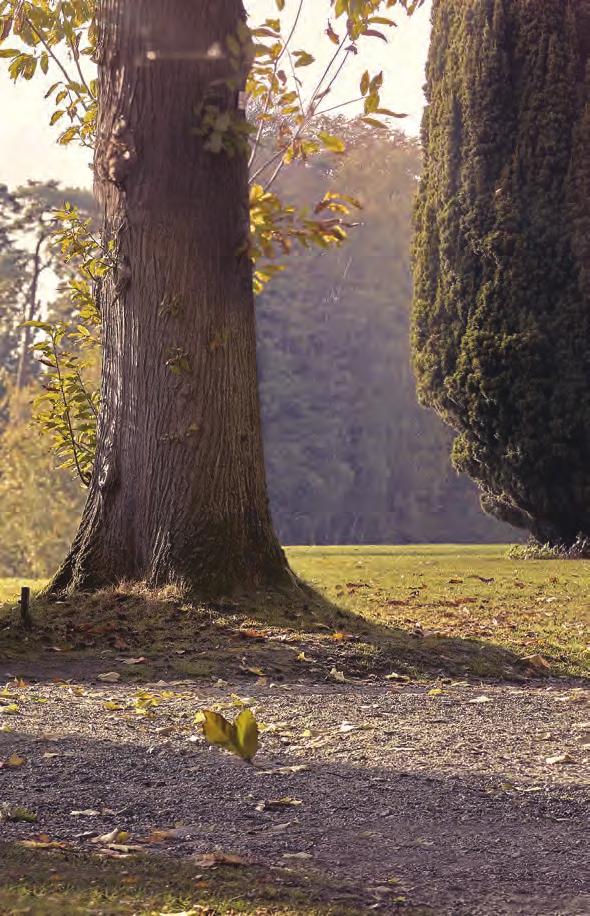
x,y
351,457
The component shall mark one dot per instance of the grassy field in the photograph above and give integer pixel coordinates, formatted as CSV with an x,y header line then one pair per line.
x,y
462,591
470,609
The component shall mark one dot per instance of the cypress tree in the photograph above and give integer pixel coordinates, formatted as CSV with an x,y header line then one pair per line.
x,y
501,315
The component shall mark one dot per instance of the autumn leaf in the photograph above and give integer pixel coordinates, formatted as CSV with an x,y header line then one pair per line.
x,y
239,737
284,802
43,841
13,761
336,675
331,142
560,758
212,859
116,836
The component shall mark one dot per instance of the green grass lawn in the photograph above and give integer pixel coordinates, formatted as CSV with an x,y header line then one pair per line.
x,y
452,605
467,591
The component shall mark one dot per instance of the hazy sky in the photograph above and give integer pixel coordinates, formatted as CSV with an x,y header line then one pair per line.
x,y
27,143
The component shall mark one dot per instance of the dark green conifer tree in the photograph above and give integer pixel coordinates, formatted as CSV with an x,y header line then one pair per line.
x,y
501,318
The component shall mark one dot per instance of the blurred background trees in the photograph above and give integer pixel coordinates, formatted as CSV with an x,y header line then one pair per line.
x,y
351,457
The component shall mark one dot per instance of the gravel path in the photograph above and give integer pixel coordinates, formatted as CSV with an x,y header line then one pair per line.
x,y
453,790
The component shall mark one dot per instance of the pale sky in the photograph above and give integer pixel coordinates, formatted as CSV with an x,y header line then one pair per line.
x,y
27,143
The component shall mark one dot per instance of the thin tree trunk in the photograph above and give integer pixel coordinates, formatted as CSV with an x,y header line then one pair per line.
x,y
178,493
23,372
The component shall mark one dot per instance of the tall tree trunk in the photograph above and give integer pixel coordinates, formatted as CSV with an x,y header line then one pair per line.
x,y
178,493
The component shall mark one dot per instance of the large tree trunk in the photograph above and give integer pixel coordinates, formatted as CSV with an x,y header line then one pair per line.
x,y
178,493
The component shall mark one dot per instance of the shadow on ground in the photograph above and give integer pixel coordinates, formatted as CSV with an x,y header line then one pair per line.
x,y
306,639
363,836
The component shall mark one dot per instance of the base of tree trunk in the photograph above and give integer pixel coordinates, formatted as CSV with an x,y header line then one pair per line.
x,y
242,580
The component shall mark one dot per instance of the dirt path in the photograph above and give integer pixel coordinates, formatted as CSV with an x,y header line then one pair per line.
x,y
446,800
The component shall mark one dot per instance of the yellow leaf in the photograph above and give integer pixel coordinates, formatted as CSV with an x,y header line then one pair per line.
x,y
332,143
219,731
435,692
247,734
15,761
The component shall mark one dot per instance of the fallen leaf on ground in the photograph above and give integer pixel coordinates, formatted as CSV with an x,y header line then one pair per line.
x,y
297,855
481,699
13,761
11,709
337,675
537,661
561,758
115,836
283,771
285,802
110,677
17,814
43,841
134,661
86,812
212,859
253,670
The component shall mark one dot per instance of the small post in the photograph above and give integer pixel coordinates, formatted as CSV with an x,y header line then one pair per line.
x,y
25,612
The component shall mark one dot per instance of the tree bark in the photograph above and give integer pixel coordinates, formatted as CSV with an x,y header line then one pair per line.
x,y
178,493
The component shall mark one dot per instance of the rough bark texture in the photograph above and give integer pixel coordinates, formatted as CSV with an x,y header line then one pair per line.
x,y
178,493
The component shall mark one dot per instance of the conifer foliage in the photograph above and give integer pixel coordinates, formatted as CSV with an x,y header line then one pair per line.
x,y
501,319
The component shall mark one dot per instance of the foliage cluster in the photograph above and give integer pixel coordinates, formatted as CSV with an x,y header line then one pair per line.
x,y
501,312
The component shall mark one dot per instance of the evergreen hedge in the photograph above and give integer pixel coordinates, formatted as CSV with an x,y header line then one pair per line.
x,y
501,315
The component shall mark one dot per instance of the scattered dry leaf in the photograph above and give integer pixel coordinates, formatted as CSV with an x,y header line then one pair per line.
x,y
561,758
212,859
